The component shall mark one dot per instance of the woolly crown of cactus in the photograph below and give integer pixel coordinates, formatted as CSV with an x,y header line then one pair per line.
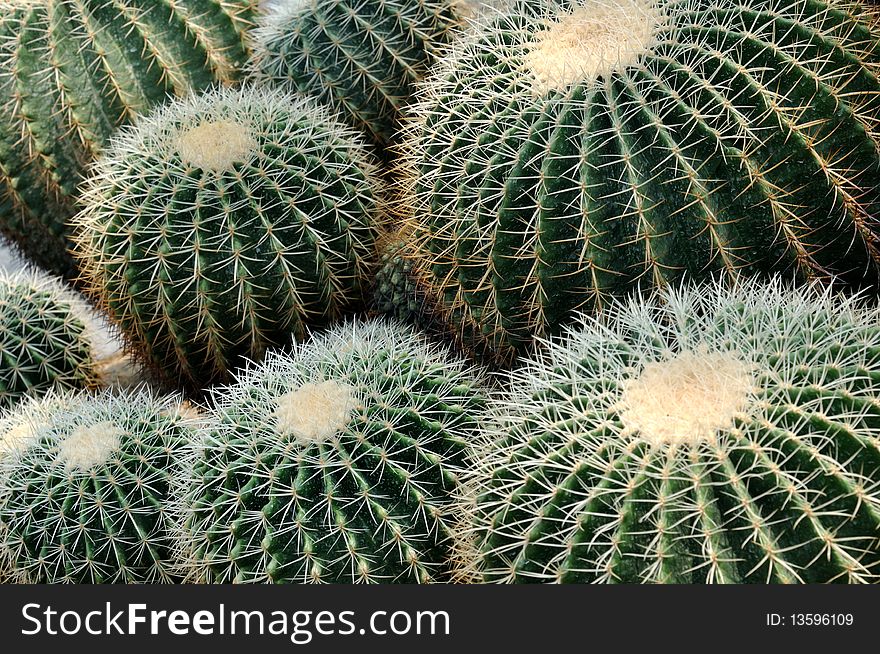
x,y
47,336
335,463
362,58
71,72
221,224
84,485
565,152
711,434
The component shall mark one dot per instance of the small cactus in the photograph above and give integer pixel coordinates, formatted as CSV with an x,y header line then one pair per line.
x,y
362,58
71,72
565,152
47,337
224,223
334,464
710,435
84,483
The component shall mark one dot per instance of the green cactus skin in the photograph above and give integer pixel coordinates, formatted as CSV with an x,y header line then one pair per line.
x,y
47,337
362,58
84,483
71,72
334,464
564,153
709,435
223,223
397,290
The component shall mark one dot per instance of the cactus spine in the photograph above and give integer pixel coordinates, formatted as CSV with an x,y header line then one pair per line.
x,y
224,223
360,57
47,338
333,464
84,485
566,152
71,72
711,435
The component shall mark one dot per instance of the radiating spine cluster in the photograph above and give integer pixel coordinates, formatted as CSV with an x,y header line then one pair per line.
x,y
84,487
362,58
47,337
566,152
225,223
71,72
335,463
709,435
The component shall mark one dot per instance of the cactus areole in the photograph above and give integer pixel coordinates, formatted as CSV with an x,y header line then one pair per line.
x,y
567,152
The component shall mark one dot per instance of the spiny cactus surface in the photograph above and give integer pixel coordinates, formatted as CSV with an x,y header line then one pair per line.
x,y
71,72
566,152
360,57
225,223
84,482
710,435
47,337
333,464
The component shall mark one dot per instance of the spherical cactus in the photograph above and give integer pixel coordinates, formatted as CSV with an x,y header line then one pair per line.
x,y
224,223
71,72
84,483
569,151
360,57
397,290
726,435
47,337
334,464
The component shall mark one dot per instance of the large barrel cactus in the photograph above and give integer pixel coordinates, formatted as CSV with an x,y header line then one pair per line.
x,y
712,435
84,487
224,223
334,464
47,337
360,57
567,151
72,71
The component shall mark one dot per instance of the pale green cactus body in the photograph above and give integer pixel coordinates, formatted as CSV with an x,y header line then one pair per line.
x,y
84,487
71,72
565,152
227,223
335,463
710,435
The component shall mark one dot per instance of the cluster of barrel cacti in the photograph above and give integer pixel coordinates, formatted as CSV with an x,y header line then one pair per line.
x,y
447,291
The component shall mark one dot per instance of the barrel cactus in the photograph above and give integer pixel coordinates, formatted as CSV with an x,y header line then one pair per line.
x,y
360,57
84,482
47,337
336,463
711,435
223,223
568,151
71,72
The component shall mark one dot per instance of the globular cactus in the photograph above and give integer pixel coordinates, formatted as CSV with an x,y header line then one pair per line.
x,y
360,57
710,435
568,151
333,464
71,72
224,223
84,483
47,337
397,291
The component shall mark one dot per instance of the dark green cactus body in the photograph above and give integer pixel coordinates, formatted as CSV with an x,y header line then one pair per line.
x,y
71,72
397,291
361,494
713,436
226,224
84,487
360,57
46,340
738,137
